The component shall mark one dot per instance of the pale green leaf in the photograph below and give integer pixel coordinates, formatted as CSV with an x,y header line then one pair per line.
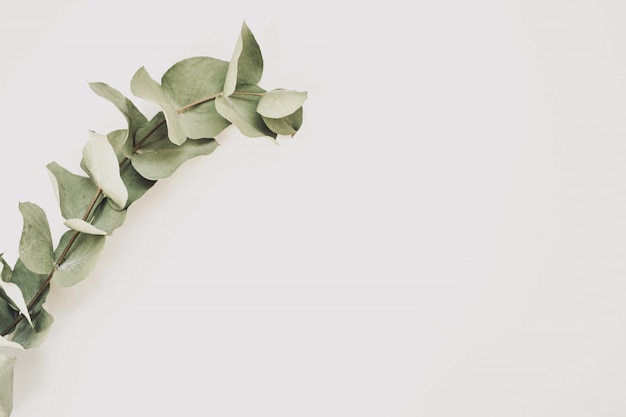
x,y
107,218
277,104
6,343
14,294
287,125
80,260
32,336
246,65
29,282
84,227
74,192
103,168
134,118
36,241
142,85
240,110
160,159
6,385
135,183
192,85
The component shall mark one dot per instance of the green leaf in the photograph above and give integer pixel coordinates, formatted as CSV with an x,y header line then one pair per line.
x,y
135,183
6,383
159,159
74,192
287,125
29,282
277,104
107,218
142,85
103,168
36,241
6,343
246,65
80,260
240,110
31,337
15,296
193,84
133,116
84,227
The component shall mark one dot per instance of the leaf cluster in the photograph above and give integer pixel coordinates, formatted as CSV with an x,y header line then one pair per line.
x,y
199,97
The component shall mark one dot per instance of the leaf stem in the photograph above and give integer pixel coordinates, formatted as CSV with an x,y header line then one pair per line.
x,y
213,97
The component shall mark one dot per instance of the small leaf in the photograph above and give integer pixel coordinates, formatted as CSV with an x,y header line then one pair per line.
x,y
240,110
142,85
246,65
287,125
102,166
74,192
134,118
135,183
16,297
29,283
84,227
6,385
31,337
107,218
36,241
80,260
160,159
277,104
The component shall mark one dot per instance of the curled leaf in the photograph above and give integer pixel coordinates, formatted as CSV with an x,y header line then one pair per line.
x,y
32,336
287,125
246,65
84,227
16,297
142,85
102,166
74,192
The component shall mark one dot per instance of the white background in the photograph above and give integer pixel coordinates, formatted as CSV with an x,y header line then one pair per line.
x,y
444,237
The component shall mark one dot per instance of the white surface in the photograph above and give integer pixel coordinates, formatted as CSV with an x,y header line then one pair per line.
x,y
444,237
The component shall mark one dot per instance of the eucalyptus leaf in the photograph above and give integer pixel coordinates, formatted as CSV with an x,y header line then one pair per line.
x,y
287,125
29,282
36,241
277,104
6,269
134,118
160,159
7,313
14,294
192,85
142,85
240,110
246,65
82,226
107,218
7,365
103,167
80,260
6,343
32,336
74,192
135,183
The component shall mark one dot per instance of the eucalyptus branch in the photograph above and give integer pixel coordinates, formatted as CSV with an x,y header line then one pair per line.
x,y
120,170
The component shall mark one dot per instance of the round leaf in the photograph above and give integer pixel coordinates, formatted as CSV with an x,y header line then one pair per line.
x,y
276,104
36,241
